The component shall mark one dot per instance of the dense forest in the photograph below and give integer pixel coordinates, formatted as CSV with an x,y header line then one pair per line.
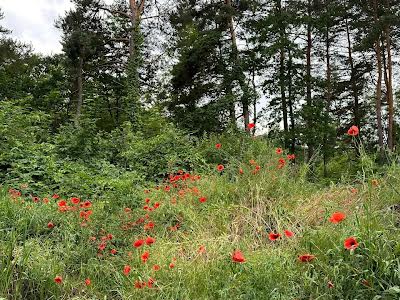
x,y
248,147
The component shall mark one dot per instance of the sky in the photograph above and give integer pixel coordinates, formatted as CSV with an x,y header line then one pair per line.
x,y
32,22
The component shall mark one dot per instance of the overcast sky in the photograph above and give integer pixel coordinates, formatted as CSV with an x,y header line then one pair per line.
x,y
32,21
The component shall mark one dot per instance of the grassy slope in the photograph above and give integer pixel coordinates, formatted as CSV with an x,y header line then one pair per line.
x,y
239,213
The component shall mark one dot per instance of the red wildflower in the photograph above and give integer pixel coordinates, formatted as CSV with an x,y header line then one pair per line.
x,y
145,256
88,281
127,270
282,163
337,217
218,146
150,240
150,282
102,246
237,256
75,200
58,279
62,203
202,249
252,161
113,251
330,285
274,236
50,225
350,243
36,199
203,199
220,168
147,200
353,131
278,151
241,171
306,257
87,204
171,265
250,126
138,243
45,200
156,205
138,284
167,188
258,168
55,196
156,267
149,225
109,236
291,157
289,233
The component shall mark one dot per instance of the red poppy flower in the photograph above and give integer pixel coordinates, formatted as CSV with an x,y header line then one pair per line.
x,y
58,279
241,171
353,131
291,157
350,243
330,285
149,225
289,233
145,256
202,249
237,256
102,246
278,151
36,199
220,168
203,199
156,267
87,204
62,203
281,162
167,188
127,270
88,281
218,146
150,282
171,265
75,200
50,225
250,126
138,284
138,243
150,240
306,257
113,251
258,168
55,196
156,205
147,200
274,236
252,161
45,200
337,217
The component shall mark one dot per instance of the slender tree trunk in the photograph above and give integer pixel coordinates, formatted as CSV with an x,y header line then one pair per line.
x,y
328,97
282,74
356,106
245,101
389,86
290,99
378,104
80,89
253,81
309,120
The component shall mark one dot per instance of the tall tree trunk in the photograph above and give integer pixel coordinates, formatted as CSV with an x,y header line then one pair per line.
x,y
356,106
136,8
253,81
282,73
245,101
328,97
378,104
309,120
290,99
389,86
80,89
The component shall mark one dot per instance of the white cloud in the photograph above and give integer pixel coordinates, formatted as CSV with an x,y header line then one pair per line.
x,y
32,22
